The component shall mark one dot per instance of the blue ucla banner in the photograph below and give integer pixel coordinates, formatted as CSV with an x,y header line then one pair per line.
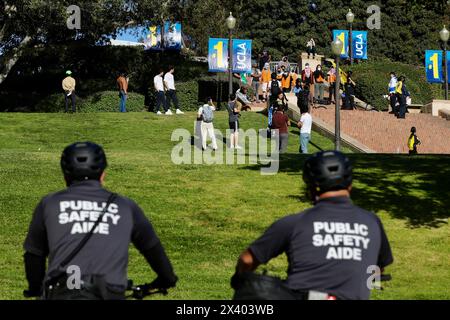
x,y
172,35
242,56
433,66
343,36
218,55
359,39
153,40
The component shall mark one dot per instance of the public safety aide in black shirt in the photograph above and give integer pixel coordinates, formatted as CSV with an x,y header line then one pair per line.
x,y
330,246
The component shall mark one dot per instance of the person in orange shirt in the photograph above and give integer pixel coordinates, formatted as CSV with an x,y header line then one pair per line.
x,y
285,80
294,77
319,83
332,84
122,84
265,80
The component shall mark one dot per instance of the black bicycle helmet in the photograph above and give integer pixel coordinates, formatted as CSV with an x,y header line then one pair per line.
x,y
328,171
83,161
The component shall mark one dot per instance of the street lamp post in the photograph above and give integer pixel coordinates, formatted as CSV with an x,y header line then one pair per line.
x,y
231,23
444,34
350,17
336,48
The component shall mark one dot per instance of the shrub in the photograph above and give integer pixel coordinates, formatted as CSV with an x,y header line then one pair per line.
x,y
108,101
372,78
105,101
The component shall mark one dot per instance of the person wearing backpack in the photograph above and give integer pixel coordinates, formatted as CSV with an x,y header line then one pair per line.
x,y
206,115
413,142
274,89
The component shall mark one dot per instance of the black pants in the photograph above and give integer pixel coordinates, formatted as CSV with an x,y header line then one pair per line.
x,y
393,100
402,110
171,95
311,51
414,151
349,102
160,101
72,98
332,91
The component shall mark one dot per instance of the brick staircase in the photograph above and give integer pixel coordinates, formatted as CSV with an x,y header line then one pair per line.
x,y
384,133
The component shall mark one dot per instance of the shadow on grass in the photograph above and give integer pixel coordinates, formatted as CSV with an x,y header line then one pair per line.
x,y
414,189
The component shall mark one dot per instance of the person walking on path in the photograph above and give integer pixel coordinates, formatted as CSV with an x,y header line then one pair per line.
x,y
68,85
413,142
160,89
122,84
171,93
392,95
402,93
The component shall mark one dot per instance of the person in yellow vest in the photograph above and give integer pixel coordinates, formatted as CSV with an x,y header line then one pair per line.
x,y
286,81
265,80
294,77
332,84
68,85
413,142
319,83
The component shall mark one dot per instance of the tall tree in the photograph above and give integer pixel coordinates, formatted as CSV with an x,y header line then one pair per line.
x,y
26,24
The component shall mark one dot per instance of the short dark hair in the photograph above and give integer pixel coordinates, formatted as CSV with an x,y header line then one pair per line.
x,y
232,97
170,67
161,70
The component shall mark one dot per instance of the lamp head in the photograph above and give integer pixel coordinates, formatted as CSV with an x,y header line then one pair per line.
x,y
350,16
231,22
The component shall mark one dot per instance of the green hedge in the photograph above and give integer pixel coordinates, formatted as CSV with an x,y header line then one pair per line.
x,y
106,101
372,79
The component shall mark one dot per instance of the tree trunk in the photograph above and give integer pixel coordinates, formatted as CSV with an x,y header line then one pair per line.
x,y
11,61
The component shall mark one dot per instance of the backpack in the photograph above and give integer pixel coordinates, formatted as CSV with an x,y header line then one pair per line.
x,y
207,114
275,88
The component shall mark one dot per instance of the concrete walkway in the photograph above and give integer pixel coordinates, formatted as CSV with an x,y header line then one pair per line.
x,y
382,132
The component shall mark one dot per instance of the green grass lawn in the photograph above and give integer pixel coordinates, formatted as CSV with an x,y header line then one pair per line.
x,y
206,215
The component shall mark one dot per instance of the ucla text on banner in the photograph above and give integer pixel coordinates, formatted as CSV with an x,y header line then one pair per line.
x,y
343,36
153,40
433,66
242,56
359,39
172,35
218,55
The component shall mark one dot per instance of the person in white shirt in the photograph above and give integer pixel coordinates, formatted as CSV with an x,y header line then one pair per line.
x,y
311,48
171,94
392,95
160,89
206,115
305,125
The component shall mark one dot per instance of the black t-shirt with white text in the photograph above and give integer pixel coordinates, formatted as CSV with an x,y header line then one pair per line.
x,y
329,248
62,219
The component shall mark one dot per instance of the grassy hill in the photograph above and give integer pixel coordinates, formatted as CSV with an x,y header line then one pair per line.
x,y
206,215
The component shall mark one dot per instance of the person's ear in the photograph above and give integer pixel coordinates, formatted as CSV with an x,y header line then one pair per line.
x,y
102,177
350,187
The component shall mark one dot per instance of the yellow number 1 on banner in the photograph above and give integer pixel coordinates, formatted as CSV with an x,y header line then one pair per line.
x,y
342,38
219,48
434,60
